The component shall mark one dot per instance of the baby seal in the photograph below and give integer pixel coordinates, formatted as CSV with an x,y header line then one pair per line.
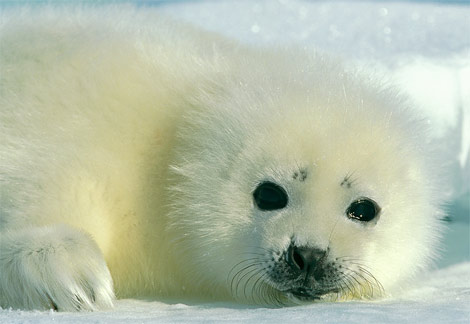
x,y
140,158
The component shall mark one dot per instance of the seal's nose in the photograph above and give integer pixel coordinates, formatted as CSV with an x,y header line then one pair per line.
x,y
303,258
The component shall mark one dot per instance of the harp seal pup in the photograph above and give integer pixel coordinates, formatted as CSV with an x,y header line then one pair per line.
x,y
141,158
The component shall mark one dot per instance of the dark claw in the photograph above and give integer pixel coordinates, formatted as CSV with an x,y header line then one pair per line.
x,y
52,304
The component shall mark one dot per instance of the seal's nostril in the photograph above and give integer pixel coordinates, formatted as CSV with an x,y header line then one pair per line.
x,y
297,259
303,258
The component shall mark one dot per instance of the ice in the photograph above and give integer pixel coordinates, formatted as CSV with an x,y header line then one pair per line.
x,y
421,46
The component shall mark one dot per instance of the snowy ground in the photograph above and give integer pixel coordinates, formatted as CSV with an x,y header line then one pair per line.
x,y
423,47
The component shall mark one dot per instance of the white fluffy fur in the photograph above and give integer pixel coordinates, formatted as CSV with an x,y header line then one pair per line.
x,y
131,142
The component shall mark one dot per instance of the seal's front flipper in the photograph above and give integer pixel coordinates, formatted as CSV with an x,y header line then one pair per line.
x,y
53,267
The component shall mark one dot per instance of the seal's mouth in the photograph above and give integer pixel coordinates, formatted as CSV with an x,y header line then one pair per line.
x,y
303,294
306,294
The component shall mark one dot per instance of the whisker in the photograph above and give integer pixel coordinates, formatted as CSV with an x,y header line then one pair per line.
x,y
248,281
364,279
377,282
348,284
257,288
239,263
240,277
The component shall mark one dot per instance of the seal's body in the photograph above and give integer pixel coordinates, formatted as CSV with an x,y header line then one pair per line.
x,y
192,167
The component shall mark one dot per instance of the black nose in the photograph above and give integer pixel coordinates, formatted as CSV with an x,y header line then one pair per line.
x,y
303,258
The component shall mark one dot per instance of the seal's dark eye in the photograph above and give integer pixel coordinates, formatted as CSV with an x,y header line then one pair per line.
x,y
270,196
363,209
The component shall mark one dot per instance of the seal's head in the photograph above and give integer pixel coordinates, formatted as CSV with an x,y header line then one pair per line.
x,y
299,184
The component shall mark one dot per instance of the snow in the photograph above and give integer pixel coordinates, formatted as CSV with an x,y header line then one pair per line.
x,y
421,46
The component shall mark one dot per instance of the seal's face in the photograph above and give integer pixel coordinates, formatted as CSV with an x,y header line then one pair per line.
x,y
335,218
292,199
304,272
313,220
